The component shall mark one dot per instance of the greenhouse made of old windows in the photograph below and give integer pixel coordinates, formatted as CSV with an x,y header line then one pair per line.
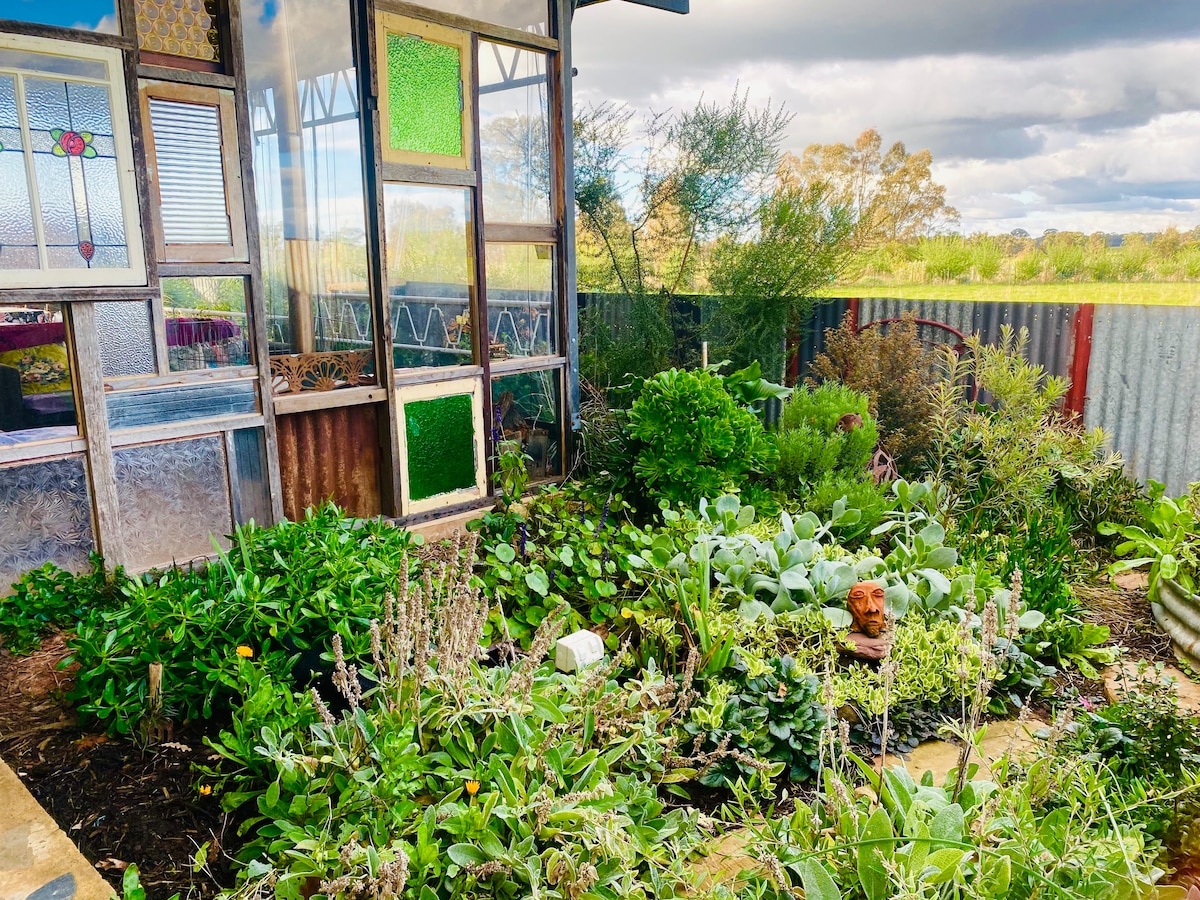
x,y
260,254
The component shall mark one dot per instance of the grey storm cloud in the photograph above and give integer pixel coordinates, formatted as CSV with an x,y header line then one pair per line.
x,y
1028,106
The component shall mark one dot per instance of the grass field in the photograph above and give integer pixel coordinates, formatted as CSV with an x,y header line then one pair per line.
x,y
1161,293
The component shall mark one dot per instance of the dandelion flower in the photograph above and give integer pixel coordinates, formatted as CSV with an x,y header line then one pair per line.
x,y
245,652
472,788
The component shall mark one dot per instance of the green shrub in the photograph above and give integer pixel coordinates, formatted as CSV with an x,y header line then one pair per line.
x,y
987,256
694,441
819,435
860,492
279,590
1029,265
50,599
1064,260
946,257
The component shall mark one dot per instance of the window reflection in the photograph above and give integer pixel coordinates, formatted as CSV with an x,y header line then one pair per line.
x,y
514,135
528,408
37,400
206,323
520,293
308,172
527,15
431,274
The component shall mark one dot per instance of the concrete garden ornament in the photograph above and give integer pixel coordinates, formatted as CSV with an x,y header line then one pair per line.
x,y
868,640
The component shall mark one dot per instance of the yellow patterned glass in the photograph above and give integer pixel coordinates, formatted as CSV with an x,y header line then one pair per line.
x,y
186,28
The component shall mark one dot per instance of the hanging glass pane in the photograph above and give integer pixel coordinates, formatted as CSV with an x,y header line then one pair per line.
x,y
425,101
74,152
431,273
514,134
37,399
18,241
440,445
174,500
527,15
191,172
186,28
528,411
206,322
521,304
88,15
126,337
45,516
308,175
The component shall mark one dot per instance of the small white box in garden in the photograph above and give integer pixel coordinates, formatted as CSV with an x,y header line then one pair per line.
x,y
578,651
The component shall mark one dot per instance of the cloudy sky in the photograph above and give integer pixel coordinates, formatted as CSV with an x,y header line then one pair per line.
x,y
1068,114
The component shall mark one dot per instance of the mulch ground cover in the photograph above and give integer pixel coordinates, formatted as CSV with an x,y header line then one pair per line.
x,y
119,802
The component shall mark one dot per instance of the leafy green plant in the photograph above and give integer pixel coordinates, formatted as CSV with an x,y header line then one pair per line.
x,y
1168,540
694,440
824,432
512,474
50,599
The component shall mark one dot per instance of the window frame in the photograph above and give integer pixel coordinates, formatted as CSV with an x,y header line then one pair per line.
x,y
237,248
136,274
391,23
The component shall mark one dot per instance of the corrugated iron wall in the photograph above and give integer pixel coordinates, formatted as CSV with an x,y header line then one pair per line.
x,y
330,454
1142,389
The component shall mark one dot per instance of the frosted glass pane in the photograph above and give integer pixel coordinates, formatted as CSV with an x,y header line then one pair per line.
x,y
76,170
45,516
528,409
441,446
424,96
191,173
173,499
514,134
126,338
522,310
431,272
89,15
186,28
206,322
528,15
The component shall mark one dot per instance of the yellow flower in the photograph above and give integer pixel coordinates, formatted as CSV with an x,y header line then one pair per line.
x,y
472,788
205,790
627,613
245,652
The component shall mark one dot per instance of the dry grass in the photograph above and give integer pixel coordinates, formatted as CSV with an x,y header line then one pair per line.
x,y
1126,612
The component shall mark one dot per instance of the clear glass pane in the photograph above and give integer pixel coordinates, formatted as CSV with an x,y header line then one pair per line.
x,y
514,134
186,28
191,172
37,399
126,335
45,516
207,326
309,182
527,15
18,243
528,410
425,101
89,15
71,134
522,311
431,270
173,499
441,446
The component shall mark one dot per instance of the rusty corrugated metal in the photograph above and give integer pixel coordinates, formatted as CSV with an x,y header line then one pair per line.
x,y
1049,324
330,454
1142,389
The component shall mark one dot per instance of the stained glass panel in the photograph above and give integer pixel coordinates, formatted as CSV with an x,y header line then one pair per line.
x,y
126,338
431,274
174,499
425,101
187,28
514,134
528,410
18,242
521,304
74,152
206,321
191,172
45,516
441,446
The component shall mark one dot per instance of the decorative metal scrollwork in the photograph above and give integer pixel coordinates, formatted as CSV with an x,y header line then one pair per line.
x,y
298,372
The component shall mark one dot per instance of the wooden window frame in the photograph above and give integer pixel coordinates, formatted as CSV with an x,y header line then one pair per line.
x,y
236,250
454,387
389,23
136,273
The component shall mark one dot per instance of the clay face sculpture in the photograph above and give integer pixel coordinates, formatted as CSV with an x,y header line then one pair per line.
x,y
865,603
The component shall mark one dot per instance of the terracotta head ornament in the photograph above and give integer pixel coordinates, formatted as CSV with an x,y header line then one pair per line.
x,y
865,603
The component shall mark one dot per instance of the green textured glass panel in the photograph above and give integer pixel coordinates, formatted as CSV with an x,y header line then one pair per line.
x,y
441,446
424,96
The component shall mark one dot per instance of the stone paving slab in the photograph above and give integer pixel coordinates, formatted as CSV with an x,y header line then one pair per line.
x,y
1124,678
38,861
